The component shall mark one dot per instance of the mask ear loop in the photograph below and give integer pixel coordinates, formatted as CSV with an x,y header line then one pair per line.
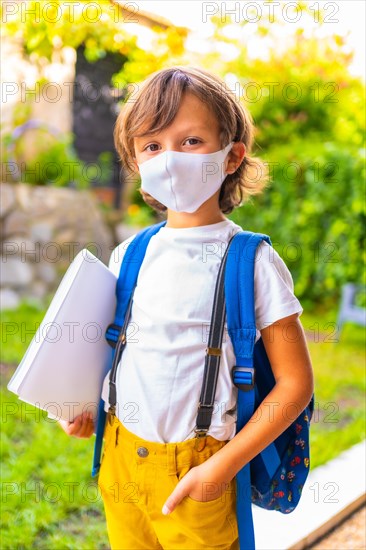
x,y
231,143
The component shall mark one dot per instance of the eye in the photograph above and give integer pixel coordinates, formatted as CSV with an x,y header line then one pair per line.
x,y
194,140
147,148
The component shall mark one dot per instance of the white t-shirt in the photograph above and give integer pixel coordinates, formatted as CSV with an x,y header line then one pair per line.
x,y
160,374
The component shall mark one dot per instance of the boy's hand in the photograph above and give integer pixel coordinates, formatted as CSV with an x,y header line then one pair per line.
x,y
200,483
82,426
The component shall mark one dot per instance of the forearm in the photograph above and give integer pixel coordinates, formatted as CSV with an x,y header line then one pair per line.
x,y
277,411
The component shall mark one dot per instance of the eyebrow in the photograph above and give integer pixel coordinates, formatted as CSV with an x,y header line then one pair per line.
x,y
188,129
194,128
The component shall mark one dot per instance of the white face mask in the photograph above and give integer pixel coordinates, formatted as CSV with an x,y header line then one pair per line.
x,y
183,181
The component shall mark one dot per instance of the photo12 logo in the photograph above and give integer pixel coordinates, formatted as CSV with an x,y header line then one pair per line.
x,y
253,12
53,12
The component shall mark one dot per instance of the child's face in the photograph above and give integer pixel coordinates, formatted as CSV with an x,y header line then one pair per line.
x,y
195,129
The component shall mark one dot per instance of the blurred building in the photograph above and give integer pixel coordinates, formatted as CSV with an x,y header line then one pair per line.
x,y
81,98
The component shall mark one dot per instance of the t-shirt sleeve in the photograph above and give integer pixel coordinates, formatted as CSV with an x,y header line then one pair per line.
x,y
273,288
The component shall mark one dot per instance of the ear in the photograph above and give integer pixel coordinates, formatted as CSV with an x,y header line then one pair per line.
x,y
235,157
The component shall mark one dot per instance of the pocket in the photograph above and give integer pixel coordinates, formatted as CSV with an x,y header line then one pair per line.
x,y
177,478
211,523
220,499
225,499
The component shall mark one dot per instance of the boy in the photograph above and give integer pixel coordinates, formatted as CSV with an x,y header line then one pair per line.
x,y
190,141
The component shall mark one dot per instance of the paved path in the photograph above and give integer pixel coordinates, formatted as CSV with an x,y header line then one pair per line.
x,y
350,535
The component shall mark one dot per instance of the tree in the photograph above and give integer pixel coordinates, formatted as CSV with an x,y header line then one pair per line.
x,y
310,120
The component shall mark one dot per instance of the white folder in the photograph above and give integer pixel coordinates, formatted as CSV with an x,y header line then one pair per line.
x,y
63,369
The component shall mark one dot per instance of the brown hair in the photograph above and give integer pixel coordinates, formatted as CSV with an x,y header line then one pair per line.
x,y
145,113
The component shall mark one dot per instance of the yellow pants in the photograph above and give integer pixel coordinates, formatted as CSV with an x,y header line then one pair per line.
x,y
135,479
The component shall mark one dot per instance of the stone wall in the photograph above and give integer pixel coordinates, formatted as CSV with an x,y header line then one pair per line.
x,y
43,228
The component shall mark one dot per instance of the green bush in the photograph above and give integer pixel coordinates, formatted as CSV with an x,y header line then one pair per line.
x,y
315,214
55,161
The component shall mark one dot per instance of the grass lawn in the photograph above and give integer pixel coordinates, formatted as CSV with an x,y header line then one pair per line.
x,y
50,501
339,368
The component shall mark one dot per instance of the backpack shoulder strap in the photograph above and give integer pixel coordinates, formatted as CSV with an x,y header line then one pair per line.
x,y
239,287
127,279
126,282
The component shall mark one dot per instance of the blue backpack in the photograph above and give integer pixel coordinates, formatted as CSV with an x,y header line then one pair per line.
x,y
275,477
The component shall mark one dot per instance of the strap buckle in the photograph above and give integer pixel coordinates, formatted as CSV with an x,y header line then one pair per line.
x,y
201,435
115,334
111,414
213,351
243,377
200,432
111,334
